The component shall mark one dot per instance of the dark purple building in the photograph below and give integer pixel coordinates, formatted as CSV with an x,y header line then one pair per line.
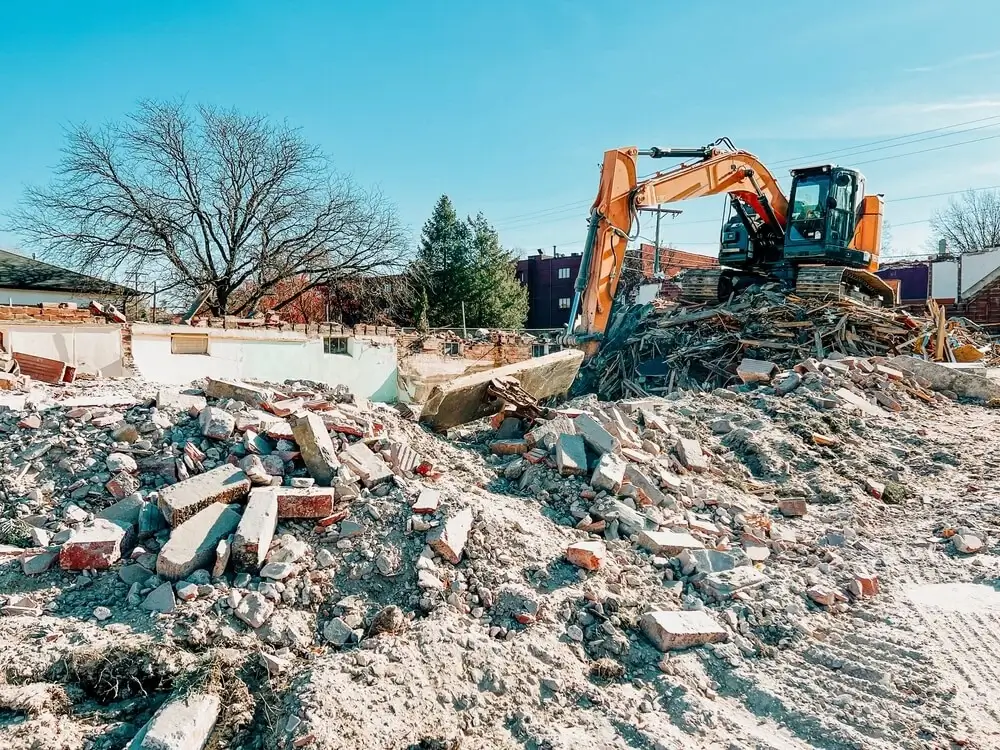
x,y
550,280
913,278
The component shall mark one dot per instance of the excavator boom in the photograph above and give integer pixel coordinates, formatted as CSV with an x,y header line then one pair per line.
x,y
719,168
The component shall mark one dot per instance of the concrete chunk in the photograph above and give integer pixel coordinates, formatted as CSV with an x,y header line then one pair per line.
x,y
239,391
724,584
169,398
690,453
547,433
371,468
304,502
192,544
851,399
427,501
448,540
224,484
943,378
571,455
609,473
256,530
216,423
756,370
670,631
317,447
595,436
97,546
183,723
646,491
668,543
464,399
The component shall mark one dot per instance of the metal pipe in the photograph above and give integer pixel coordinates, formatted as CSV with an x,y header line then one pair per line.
x,y
677,153
583,275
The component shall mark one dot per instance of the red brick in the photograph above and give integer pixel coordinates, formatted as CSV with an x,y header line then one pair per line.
x,y
304,502
30,422
509,447
95,547
793,506
122,485
587,555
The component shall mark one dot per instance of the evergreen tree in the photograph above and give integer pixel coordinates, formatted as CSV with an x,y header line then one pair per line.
x,y
497,298
444,262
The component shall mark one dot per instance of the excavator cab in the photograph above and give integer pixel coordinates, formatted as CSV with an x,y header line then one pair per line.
x,y
825,209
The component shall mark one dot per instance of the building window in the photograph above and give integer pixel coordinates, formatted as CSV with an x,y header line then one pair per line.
x,y
450,348
520,277
538,350
335,345
564,303
563,273
189,343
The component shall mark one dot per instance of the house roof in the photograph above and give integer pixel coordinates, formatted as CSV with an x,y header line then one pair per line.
x,y
20,272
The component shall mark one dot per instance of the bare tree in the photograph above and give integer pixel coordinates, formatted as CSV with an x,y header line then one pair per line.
x,y
208,199
971,222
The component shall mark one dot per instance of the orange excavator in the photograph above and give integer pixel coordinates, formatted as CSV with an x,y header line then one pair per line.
x,y
821,241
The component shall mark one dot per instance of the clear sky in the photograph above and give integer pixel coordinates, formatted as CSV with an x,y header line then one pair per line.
x,y
508,106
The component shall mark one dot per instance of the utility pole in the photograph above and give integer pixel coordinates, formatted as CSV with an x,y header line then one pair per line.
x,y
656,250
465,333
153,315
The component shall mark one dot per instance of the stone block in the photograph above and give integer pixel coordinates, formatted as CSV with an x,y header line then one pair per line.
x,y
711,561
668,543
587,555
609,473
571,455
316,446
224,484
125,512
363,462
595,436
304,502
95,547
256,530
670,631
216,423
448,540
547,433
192,544
182,723
239,391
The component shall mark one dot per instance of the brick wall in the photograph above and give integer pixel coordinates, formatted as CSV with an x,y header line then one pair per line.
x,y
49,313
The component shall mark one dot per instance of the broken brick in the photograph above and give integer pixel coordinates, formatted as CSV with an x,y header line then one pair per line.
x,y
509,447
670,631
595,436
587,555
95,547
448,540
304,502
690,452
427,501
793,506
363,462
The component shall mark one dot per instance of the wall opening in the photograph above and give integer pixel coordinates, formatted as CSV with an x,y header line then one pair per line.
x,y
450,348
189,343
335,344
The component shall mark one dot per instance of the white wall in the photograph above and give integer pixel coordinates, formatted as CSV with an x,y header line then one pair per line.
x,y
368,369
977,266
944,279
30,297
91,349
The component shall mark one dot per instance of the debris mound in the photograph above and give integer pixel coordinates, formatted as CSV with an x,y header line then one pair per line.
x,y
656,350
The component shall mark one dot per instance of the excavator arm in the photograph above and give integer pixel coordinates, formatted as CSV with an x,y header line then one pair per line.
x,y
718,168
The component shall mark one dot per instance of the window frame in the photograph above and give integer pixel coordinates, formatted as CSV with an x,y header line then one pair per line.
x,y
339,351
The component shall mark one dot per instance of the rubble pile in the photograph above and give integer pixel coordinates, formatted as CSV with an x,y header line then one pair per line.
x,y
284,565
656,350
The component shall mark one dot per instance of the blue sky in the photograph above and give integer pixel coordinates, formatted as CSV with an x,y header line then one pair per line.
x,y
508,106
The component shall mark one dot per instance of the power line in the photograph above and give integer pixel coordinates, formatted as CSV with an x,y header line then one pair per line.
x,y
847,151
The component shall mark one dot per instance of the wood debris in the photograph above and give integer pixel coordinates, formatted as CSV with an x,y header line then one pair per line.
x,y
652,349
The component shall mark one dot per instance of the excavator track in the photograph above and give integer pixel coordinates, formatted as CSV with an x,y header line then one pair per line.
x,y
702,286
837,282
